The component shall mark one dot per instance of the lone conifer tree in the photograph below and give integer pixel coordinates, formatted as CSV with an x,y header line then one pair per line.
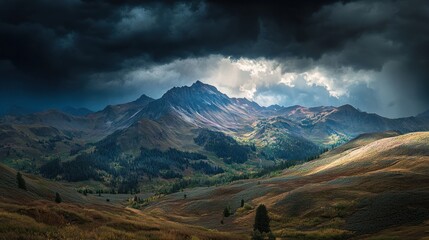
x,y
226,212
242,203
262,220
21,182
58,198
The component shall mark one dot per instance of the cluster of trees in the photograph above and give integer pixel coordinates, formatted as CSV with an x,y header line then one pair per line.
x,y
289,147
85,191
181,184
227,211
206,168
124,171
187,183
108,149
172,154
170,174
318,155
277,167
153,161
261,226
223,146
84,167
128,184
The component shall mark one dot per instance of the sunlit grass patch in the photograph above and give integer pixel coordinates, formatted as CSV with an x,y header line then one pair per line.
x,y
329,233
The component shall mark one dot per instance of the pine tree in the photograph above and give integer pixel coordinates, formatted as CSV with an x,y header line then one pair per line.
x,y
242,203
262,220
226,212
21,182
58,198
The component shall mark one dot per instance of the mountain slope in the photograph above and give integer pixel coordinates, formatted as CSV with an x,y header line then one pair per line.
x,y
369,188
119,116
185,109
76,111
33,214
92,126
202,105
26,147
149,134
174,120
329,126
37,189
52,118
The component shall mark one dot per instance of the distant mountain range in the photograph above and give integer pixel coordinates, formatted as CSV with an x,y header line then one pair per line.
x,y
76,111
179,116
16,110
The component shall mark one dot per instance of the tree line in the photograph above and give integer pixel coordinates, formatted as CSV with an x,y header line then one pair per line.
x,y
125,171
224,146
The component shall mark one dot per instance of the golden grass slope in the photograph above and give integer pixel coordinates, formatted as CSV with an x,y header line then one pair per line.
x,y
407,152
33,214
375,186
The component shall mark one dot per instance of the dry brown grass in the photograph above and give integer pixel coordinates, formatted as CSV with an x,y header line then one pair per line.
x,y
322,234
33,214
335,197
316,200
45,220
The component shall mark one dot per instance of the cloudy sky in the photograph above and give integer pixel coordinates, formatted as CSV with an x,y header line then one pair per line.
x,y
371,54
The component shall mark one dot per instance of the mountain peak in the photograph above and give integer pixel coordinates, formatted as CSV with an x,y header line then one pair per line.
x,y
144,98
198,83
202,104
198,88
347,107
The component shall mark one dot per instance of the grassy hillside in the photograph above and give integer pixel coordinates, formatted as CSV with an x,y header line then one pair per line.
x,y
26,147
33,214
373,187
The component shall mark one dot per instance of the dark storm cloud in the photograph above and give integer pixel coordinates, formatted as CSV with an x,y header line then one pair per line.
x,y
58,42
59,46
